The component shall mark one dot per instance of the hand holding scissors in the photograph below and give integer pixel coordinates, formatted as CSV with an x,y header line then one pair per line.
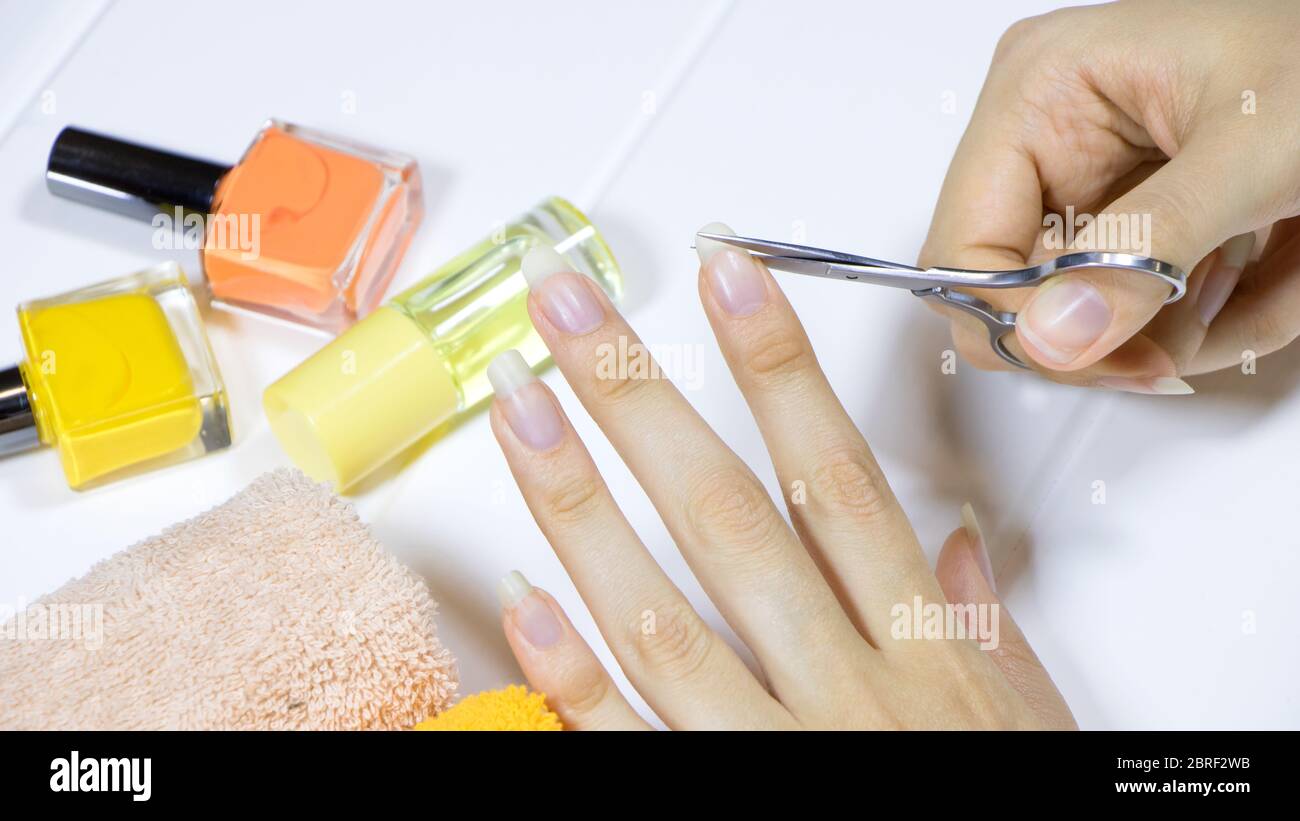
x,y
939,285
1188,124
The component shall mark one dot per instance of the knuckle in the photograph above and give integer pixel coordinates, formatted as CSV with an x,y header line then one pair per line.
x,y
1176,206
1020,35
678,648
730,508
583,689
976,694
778,355
846,480
618,388
574,498
971,685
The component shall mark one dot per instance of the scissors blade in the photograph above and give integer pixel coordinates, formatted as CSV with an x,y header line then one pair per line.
x,y
792,251
820,262
909,279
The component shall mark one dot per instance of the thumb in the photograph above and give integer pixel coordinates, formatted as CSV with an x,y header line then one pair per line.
x,y
1178,215
966,577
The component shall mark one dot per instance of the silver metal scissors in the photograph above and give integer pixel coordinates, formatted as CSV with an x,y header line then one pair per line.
x,y
938,284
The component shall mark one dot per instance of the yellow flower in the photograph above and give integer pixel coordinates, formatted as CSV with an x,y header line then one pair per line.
x,y
513,708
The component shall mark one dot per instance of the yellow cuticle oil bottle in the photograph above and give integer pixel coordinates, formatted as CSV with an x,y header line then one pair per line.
x,y
119,377
421,359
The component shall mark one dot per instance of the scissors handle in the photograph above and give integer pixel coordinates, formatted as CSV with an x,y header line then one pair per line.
x,y
999,323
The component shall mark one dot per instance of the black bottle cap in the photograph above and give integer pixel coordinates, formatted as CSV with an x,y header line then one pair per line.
x,y
128,178
17,421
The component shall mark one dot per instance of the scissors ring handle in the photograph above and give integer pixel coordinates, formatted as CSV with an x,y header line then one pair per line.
x,y
1170,274
1002,323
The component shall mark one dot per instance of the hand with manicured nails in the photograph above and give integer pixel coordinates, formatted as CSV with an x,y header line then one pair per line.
x,y
827,607
1188,113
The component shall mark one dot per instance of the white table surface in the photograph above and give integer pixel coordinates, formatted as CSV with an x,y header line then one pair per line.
x,y
1170,605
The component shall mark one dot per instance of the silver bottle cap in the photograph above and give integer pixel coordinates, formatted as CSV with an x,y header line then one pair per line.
x,y
17,422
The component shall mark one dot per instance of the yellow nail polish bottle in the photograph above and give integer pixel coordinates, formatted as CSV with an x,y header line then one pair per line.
x,y
420,360
118,376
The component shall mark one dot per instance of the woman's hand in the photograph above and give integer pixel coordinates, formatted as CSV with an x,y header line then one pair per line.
x,y
829,608
1175,122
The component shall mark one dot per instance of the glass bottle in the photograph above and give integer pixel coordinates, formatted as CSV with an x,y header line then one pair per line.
x,y
119,377
421,360
306,226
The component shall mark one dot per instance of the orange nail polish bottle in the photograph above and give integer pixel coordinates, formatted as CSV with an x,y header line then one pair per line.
x,y
306,226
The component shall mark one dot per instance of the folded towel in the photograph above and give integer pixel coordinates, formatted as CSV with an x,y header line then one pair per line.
x,y
276,610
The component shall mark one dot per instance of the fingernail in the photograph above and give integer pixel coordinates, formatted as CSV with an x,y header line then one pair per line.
x,y
1063,319
1163,385
976,537
1228,265
734,280
532,616
561,293
530,412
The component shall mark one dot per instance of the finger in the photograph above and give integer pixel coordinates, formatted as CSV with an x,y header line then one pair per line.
x,y
987,218
837,495
1262,314
685,671
1223,269
990,207
1280,235
966,575
720,515
1177,329
1194,202
559,663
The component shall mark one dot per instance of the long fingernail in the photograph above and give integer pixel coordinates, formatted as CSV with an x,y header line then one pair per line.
x,y
1223,277
734,280
530,412
531,614
976,537
1063,319
562,295
1162,385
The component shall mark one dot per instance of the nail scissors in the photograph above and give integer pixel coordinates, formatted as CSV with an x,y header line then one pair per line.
x,y
939,284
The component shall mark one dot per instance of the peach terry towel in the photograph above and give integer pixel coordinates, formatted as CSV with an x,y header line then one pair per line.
x,y
276,610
